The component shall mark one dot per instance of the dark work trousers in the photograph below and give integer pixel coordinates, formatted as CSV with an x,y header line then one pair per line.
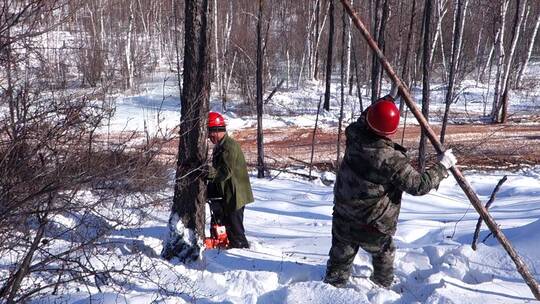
x,y
234,223
347,238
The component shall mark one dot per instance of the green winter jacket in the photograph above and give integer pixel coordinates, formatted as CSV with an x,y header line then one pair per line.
x,y
372,177
230,175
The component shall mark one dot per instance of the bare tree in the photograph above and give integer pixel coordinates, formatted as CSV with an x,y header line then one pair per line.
x,y
381,12
260,55
502,107
329,57
406,74
529,51
425,83
186,222
501,54
459,18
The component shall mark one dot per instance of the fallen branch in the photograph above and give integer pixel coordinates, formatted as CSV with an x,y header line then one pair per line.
x,y
488,204
309,177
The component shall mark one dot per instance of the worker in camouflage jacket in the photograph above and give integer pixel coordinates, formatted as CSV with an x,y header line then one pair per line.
x,y
367,194
228,179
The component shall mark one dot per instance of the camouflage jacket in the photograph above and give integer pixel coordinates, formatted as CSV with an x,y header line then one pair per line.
x,y
372,177
230,174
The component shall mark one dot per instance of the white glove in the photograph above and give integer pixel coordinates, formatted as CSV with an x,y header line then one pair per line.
x,y
448,159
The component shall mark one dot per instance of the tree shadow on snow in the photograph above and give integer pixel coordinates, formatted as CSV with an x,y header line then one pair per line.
x,y
304,215
288,272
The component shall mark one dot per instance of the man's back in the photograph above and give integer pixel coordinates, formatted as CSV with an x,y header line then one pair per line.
x,y
372,177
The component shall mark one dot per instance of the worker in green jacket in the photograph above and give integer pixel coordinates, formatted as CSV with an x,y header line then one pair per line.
x,y
371,179
229,178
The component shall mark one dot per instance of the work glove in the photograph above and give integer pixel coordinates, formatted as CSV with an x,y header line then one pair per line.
x,y
448,159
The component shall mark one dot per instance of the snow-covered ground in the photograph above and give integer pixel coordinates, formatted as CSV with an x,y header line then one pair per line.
x,y
158,104
289,226
289,229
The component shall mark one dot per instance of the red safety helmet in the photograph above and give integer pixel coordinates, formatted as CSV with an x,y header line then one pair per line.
x,y
383,117
216,121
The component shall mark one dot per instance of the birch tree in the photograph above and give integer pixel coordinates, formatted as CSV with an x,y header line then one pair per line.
x,y
460,9
500,53
516,30
523,67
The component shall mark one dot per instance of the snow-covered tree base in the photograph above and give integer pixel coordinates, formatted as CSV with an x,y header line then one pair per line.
x,y
182,243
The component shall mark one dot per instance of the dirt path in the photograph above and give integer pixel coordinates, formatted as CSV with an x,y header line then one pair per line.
x,y
478,146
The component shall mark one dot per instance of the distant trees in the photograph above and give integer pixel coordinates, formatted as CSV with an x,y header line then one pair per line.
x,y
113,44
62,187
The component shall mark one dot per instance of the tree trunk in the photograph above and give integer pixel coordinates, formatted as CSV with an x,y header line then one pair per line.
x,y
500,61
259,80
529,52
128,53
441,12
342,83
516,29
459,17
217,74
329,56
425,84
406,74
375,65
317,34
348,82
186,223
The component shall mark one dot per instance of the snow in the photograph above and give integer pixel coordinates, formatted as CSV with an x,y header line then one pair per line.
x,y
289,226
289,229
157,105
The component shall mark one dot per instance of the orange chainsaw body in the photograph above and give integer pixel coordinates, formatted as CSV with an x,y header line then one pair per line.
x,y
218,237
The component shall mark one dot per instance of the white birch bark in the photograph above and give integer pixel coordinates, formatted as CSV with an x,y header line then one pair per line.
x,y
499,42
503,103
529,52
441,12
129,57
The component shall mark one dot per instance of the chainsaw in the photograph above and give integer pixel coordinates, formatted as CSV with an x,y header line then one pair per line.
x,y
218,233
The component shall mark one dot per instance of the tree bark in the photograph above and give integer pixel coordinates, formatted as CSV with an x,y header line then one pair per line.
x,y
128,52
425,84
375,65
217,74
342,84
516,29
329,56
186,223
500,61
317,34
459,17
406,74
259,80
529,52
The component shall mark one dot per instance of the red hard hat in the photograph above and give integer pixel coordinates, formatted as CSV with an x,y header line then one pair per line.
x,y
383,117
216,120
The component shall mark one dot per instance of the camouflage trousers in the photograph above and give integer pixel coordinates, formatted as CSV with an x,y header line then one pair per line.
x,y
347,238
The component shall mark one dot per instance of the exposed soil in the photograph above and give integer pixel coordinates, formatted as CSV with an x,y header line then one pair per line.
x,y
477,146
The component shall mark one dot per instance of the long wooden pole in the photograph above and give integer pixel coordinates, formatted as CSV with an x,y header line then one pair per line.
x,y
463,183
